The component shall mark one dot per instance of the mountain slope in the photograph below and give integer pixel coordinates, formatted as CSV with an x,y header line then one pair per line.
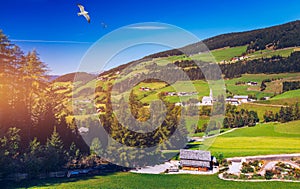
x,y
275,37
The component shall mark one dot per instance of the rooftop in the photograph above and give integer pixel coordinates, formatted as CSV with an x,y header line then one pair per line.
x,y
195,155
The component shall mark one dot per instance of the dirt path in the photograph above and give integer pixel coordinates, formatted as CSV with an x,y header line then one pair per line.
x,y
222,133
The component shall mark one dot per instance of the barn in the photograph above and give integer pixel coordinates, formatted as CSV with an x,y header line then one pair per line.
x,y
196,160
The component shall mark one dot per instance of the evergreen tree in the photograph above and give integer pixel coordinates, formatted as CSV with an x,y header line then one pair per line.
x,y
96,147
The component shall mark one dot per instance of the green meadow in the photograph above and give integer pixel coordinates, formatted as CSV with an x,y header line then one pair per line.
x,y
220,54
286,98
259,108
263,139
288,94
272,87
267,53
145,181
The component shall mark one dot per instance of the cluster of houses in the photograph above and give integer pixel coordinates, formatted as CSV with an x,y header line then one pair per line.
x,y
180,93
234,60
237,100
145,89
208,100
252,83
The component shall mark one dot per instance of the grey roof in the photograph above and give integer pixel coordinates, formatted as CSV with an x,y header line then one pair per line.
x,y
195,155
207,98
239,96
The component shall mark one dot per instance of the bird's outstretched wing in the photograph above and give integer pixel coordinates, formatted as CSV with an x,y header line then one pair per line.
x,y
87,17
81,8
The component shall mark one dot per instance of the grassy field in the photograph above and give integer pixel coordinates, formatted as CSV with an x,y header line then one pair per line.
x,y
181,86
271,138
221,54
131,180
287,98
267,53
288,94
259,109
191,122
271,87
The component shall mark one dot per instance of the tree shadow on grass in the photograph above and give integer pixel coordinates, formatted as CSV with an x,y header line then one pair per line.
x,y
50,181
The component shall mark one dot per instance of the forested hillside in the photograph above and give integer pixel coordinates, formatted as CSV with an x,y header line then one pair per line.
x,y
276,37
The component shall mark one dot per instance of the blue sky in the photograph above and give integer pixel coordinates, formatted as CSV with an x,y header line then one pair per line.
x,y
53,28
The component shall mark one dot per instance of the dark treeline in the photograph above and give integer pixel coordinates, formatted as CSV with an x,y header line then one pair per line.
x,y
234,118
170,74
276,64
276,37
281,36
192,71
285,114
290,85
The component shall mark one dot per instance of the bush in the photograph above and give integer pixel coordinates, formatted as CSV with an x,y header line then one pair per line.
x,y
230,176
247,168
244,177
269,174
257,176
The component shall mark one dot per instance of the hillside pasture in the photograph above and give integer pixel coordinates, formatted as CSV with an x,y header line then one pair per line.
x,y
260,109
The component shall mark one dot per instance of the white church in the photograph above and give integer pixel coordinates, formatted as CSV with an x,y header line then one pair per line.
x,y
208,100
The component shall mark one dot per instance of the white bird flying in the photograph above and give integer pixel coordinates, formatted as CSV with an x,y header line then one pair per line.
x,y
84,13
103,25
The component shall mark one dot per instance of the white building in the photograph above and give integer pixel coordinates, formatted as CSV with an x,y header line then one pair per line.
x,y
208,100
241,99
83,130
232,101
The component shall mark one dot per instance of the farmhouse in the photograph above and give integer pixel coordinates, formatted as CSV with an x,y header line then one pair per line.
x,y
170,94
241,99
196,160
232,101
252,83
145,89
235,59
178,104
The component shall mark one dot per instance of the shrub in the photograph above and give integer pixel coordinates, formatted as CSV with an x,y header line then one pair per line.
x,y
257,176
269,174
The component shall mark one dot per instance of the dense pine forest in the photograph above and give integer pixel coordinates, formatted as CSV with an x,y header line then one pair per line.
x,y
276,37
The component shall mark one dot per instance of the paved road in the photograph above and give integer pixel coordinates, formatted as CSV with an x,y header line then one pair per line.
x,y
157,169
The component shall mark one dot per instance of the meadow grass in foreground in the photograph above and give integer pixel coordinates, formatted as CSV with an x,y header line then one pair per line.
x,y
145,181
